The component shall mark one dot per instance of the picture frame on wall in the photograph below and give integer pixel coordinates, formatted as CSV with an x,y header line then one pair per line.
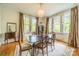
x,y
11,27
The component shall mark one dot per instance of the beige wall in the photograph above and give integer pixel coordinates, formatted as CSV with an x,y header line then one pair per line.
x,y
7,14
62,37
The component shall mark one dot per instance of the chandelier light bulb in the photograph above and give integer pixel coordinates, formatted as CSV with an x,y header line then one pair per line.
x,y
40,12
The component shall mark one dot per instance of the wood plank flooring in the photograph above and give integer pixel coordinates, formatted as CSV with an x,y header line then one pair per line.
x,y
9,49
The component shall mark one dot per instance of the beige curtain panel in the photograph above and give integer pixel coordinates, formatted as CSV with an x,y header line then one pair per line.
x,y
21,26
73,35
37,20
47,21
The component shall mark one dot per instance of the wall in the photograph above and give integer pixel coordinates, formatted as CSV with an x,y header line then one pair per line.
x,y
7,14
62,37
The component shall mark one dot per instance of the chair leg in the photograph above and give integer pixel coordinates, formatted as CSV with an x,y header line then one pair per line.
x,y
47,50
30,51
35,51
7,41
27,52
15,39
51,46
42,52
38,51
20,53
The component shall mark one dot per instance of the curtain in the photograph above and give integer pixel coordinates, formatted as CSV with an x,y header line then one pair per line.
x,y
37,19
47,21
21,27
73,27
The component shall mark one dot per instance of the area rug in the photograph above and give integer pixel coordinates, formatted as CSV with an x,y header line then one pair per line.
x,y
58,50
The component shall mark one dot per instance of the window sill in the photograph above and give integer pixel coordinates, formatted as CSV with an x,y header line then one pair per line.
x,y
61,33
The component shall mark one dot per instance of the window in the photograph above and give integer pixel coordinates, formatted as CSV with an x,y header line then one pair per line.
x,y
66,22
61,23
50,25
56,24
29,24
26,24
33,24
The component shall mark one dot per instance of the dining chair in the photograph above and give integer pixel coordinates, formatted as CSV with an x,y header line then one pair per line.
x,y
42,44
51,40
24,47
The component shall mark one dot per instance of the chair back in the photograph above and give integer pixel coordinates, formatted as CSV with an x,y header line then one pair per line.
x,y
53,36
33,33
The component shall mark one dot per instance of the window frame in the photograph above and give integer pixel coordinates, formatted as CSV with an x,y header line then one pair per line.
x,y
30,23
55,23
61,22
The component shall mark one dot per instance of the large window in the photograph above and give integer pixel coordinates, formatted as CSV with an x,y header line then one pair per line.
x,y
26,24
61,23
29,24
66,22
56,24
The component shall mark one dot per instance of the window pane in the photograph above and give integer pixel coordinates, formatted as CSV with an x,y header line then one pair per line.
x,y
50,25
33,25
26,28
26,24
66,27
56,24
56,28
66,22
26,20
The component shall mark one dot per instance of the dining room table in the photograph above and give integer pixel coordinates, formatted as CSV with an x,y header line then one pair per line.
x,y
33,39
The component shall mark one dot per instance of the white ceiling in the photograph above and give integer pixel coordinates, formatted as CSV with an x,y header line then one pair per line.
x,y
50,8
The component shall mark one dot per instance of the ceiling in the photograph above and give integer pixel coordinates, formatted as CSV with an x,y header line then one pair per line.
x,y
49,8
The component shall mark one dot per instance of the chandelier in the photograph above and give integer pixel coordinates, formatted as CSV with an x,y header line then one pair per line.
x,y
40,11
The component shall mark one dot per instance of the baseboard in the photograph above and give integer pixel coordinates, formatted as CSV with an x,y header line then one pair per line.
x,y
61,41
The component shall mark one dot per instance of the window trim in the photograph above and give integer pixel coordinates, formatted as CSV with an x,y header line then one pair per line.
x,y
30,23
61,22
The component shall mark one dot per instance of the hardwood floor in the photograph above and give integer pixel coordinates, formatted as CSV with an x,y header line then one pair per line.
x,y
9,49
76,52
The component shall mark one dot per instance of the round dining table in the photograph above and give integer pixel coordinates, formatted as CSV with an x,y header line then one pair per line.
x,y
33,39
